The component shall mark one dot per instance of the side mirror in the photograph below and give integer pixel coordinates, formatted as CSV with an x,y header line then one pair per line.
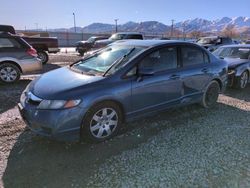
x,y
145,72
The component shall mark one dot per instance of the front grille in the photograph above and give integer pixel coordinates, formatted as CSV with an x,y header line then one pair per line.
x,y
36,103
32,99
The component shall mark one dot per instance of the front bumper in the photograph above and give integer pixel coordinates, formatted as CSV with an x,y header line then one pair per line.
x,y
62,125
29,65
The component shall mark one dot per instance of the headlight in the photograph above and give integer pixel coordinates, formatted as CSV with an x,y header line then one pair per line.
x,y
58,104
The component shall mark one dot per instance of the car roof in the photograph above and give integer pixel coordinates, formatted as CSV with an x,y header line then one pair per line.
x,y
7,34
238,45
149,43
129,33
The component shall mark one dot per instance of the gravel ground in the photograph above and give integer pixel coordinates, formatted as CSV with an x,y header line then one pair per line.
x,y
185,147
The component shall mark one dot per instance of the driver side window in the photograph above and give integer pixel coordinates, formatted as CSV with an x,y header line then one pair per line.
x,y
160,60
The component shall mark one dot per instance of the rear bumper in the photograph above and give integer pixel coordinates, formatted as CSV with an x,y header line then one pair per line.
x,y
29,65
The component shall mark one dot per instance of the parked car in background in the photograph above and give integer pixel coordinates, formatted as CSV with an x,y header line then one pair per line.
x,y
238,59
84,46
214,42
120,83
161,38
16,57
247,42
43,45
118,36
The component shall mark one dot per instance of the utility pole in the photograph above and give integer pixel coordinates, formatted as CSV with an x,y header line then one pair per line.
x,y
172,28
74,21
184,31
116,28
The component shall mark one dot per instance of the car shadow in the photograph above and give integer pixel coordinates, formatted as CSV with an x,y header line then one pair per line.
x,y
10,94
38,162
239,94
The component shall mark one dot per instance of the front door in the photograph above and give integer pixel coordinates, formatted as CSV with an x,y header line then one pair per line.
x,y
163,87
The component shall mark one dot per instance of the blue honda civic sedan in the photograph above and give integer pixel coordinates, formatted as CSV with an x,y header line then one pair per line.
x,y
93,97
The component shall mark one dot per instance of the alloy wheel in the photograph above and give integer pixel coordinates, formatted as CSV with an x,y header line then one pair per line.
x,y
8,74
104,123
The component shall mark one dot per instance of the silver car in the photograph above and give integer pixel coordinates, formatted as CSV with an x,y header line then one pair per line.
x,y
16,57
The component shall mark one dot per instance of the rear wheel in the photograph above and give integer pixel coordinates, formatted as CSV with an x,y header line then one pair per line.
x,y
211,94
43,56
242,81
9,73
102,122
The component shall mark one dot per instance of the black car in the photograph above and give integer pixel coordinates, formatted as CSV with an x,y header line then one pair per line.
x,y
117,37
238,59
214,42
83,46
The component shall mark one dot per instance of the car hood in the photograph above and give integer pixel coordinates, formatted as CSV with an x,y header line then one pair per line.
x,y
235,62
62,83
81,42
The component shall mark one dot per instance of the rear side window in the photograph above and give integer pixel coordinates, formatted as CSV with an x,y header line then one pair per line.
x,y
9,43
161,60
193,56
134,37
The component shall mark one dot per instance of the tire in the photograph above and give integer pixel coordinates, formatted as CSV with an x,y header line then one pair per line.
x,y
211,94
82,52
43,56
9,73
97,126
242,81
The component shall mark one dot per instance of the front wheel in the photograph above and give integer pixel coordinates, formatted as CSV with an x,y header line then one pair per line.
x,y
211,94
102,122
242,81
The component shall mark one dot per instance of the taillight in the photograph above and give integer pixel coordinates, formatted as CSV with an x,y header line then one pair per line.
x,y
32,52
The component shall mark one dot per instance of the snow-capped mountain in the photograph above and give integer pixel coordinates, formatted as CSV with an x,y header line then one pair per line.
x,y
198,24
149,26
215,25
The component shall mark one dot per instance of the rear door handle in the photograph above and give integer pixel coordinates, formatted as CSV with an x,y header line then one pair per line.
x,y
174,77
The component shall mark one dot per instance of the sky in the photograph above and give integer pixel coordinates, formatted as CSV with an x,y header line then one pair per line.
x,y
59,14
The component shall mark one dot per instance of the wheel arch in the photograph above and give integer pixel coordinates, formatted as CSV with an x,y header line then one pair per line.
x,y
219,82
13,63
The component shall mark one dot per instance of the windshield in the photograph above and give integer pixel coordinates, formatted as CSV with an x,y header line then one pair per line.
x,y
106,60
233,52
91,39
117,37
207,41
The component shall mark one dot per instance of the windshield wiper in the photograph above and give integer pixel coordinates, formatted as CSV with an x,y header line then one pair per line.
x,y
119,61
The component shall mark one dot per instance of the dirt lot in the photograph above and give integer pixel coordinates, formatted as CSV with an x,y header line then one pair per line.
x,y
185,147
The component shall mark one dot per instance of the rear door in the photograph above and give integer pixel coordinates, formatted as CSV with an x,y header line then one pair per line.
x,y
161,89
196,69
